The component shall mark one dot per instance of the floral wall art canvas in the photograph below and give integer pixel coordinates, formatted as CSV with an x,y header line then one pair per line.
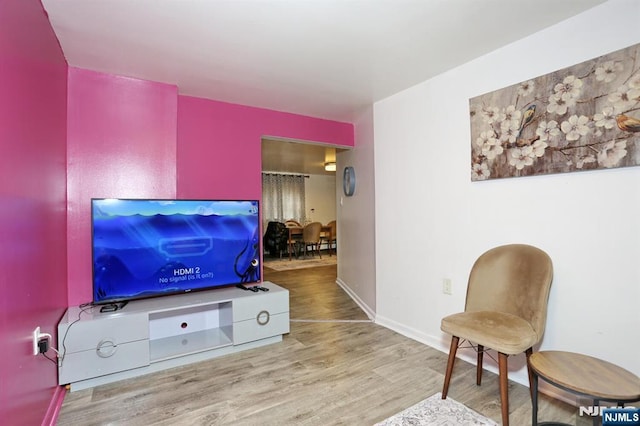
x,y
583,117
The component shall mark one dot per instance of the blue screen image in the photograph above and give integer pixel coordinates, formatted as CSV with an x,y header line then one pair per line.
x,y
147,248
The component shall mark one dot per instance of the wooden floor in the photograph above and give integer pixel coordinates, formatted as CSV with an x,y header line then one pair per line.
x,y
334,368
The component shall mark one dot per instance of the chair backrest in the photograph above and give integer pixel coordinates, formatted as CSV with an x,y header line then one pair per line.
x,y
334,229
275,238
281,232
292,224
311,232
514,279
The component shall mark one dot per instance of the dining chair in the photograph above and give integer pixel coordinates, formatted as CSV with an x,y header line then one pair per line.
x,y
505,310
311,238
275,240
294,230
332,237
292,224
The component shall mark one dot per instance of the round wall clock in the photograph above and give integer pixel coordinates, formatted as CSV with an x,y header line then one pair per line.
x,y
349,181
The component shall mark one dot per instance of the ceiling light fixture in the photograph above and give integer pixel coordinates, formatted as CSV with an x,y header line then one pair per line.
x,y
330,166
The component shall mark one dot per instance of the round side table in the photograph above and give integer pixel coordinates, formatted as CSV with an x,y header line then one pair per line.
x,y
582,375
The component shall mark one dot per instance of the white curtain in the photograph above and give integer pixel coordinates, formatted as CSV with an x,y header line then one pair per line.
x,y
282,197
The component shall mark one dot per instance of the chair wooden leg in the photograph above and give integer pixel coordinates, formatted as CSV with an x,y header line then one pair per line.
x,y
504,387
479,365
452,358
528,352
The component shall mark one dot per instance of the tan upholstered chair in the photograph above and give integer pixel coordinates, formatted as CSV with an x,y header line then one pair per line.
x,y
332,237
505,310
311,237
295,238
292,224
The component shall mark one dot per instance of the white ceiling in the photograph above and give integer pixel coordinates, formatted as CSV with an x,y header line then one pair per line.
x,y
295,157
321,58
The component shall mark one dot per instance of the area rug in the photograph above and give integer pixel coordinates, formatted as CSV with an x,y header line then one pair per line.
x,y
285,264
437,411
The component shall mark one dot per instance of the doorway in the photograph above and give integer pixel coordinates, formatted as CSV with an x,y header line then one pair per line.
x,y
317,163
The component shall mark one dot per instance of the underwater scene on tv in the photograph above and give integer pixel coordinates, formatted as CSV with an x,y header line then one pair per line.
x,y
148,248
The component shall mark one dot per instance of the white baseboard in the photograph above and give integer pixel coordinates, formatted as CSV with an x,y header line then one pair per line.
x,y
366,308
442,344
437,342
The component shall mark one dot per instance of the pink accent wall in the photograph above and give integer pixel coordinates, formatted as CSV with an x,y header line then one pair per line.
x,y
121,144
135,138
33,273
219,145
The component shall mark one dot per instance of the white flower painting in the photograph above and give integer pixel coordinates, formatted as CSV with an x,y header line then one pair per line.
x,y
583,117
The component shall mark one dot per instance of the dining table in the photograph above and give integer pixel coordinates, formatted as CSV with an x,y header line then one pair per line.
x,y
295,235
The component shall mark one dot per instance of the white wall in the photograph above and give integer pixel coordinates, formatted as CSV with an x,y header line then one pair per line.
x,y
356,218
320,200
432,222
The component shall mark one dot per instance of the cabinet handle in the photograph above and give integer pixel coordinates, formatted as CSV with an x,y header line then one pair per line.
x,y
263,317
106,348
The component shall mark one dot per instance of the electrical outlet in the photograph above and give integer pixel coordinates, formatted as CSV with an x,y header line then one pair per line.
x,y
43,345
36,337
446,286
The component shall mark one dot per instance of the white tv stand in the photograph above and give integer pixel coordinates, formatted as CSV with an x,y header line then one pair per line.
x,y
155,334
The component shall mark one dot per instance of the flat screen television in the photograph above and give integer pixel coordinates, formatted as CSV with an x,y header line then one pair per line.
x,y
148,248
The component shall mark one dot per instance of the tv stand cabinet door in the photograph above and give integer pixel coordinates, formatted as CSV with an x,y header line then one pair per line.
x,y
102,344
105,359
88,333
261,316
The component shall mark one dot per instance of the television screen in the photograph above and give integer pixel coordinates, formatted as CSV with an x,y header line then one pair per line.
x,y
148,248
